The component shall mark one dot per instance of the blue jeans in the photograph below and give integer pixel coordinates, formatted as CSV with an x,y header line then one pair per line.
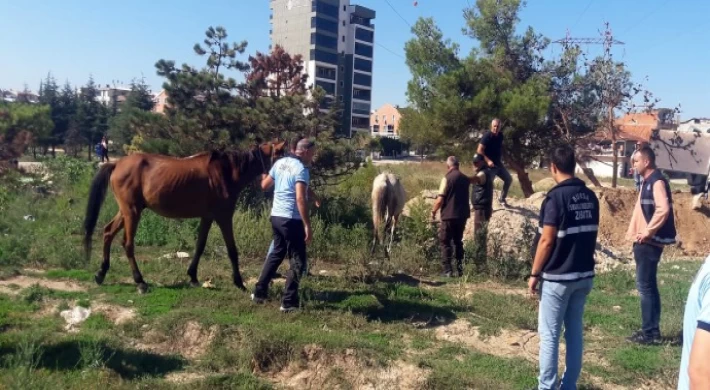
x,y
561,303
647,258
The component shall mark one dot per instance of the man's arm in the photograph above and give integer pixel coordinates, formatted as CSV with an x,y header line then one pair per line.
x,y
267,182
478,178
439,198
542,254
301,190
698,367
482,151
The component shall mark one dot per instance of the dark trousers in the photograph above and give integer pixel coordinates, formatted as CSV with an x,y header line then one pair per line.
x,y
647,258
451,240
480,220
500,171
289,239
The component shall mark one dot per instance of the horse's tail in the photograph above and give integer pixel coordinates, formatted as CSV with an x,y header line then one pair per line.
x,y
97,194
380,197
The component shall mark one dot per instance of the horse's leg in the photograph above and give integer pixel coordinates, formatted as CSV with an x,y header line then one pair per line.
x,y
130,220
110,231
394,224
204,230
225,225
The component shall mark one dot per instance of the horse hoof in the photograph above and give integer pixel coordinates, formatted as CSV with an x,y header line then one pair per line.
x,y
99,279
142,288
240,286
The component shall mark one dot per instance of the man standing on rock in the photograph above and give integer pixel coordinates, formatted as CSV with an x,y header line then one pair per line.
x,y
491,148
290,223
652,226
564,266
482,202
455,210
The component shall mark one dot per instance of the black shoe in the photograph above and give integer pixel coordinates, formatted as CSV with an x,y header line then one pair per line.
x,y
503,202
640,338
446,274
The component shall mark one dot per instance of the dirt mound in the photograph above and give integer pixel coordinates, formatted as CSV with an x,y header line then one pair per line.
x,y
117,314
190,341
18,283
319,369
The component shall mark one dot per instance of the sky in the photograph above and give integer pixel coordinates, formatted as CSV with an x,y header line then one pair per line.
x,y
666,43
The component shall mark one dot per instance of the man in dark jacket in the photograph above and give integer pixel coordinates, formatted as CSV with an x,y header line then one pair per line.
x,y
564,262
491,148
650,229
482,202
453,202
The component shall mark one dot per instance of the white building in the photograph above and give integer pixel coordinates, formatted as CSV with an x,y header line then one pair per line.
x,y
695,124
336,42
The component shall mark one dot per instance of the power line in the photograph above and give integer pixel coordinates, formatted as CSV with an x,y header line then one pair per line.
x,y
583,12
398,14
638,23
396,54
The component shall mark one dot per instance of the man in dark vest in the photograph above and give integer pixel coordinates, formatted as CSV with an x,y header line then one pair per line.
x,y
482,202
491,148
564,262
455,210
651,228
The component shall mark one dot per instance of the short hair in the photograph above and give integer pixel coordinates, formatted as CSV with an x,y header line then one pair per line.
x,y
452,161
563,158
304,144
648,153
293,143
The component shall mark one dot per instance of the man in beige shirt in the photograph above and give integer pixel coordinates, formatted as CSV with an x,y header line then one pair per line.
x,y
652,227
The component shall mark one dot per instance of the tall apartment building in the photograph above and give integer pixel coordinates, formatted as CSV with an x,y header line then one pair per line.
x,y
336,42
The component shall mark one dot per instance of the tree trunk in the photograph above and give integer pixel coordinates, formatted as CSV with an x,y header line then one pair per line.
x,y
589,172
614,149
34,152
54,151
89,158
523,178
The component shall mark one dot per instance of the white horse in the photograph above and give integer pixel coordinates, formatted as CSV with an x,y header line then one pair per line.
x,y
388,199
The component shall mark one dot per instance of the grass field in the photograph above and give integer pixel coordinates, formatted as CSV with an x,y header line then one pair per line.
x,y
366,322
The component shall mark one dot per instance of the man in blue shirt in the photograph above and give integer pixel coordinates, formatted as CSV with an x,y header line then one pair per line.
x,y
311,195
564,266
290,223
695,360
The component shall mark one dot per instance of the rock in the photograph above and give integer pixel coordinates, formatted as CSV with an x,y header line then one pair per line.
x,y
182,255
208,284
697,203
617,308
323,272
29,218
74,317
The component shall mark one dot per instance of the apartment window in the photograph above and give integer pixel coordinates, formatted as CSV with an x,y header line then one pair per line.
x,y
363,65
329,88
343,23
344,8
324,24
324,56
362,79
361,108
376,129
324,40
363,50
343,38
342,84
361,94
324,8
364,35
360,123
325,73
342,68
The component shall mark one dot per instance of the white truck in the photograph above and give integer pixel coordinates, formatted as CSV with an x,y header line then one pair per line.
x,y
684,152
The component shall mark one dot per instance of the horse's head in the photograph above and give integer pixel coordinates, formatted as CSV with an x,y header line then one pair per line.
x,y
267,153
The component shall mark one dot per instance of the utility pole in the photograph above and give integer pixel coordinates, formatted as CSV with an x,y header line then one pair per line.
x,y
608,98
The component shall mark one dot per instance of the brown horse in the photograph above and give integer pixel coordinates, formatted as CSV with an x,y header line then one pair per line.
x,y
202,186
